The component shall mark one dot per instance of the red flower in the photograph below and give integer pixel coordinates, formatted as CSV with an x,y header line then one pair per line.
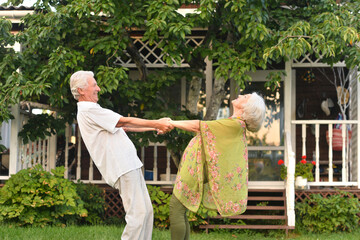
x,y
303,157
303,161
280,162
313,163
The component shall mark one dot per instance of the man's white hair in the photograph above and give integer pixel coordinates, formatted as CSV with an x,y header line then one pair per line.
x,y
79,80
254,112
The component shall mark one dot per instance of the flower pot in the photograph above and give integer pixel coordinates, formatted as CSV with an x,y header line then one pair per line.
x,y
337,141
300,182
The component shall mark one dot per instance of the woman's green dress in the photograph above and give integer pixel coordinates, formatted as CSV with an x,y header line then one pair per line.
x,y
214,168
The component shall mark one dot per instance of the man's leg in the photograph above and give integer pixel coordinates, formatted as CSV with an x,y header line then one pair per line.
x,y
179,223
137,204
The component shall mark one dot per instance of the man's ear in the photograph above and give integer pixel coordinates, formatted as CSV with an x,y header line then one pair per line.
x,y
80,91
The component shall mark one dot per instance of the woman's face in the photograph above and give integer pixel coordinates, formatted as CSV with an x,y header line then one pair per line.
x,y
240,101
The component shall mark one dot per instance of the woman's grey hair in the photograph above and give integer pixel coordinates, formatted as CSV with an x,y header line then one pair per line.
x,y
79,80
254,112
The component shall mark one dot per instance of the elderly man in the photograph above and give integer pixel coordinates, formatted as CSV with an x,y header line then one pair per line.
x,y
114,154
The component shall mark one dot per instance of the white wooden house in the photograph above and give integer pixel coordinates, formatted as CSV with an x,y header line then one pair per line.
x,y
289,136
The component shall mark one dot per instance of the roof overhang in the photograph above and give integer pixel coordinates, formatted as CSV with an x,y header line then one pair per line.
x,y
15,15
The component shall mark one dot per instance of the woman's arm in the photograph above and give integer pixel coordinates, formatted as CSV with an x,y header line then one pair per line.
x,y
187,125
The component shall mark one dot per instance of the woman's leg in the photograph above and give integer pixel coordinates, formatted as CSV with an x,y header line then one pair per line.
x,y
179,223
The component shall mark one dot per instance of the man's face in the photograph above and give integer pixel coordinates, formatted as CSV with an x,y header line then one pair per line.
x,y
90,94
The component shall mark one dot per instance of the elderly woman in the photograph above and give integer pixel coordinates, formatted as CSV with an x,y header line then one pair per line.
x,y
214,166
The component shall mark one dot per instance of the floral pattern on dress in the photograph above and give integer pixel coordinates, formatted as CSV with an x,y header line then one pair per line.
x,y
214,167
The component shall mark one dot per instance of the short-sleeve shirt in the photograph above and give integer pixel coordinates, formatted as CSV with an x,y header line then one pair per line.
x,y
110,148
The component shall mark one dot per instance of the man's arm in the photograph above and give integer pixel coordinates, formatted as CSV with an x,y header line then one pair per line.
x,y
138,129
162,124
187,125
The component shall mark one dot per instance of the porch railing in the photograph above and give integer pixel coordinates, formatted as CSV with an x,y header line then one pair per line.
x,y
347,162
324,174
22,155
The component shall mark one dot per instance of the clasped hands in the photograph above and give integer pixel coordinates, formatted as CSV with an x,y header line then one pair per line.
x,y
164,125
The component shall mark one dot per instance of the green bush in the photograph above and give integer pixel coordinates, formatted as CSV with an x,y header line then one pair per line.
x,y
36,197
94,203
201,216
331,214
161,203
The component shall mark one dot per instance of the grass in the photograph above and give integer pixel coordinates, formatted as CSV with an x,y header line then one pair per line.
x,y
104,232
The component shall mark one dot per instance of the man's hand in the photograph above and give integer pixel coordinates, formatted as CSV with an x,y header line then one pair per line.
x,y
164,125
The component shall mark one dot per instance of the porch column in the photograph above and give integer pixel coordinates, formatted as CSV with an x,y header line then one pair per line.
x,y
14,162
52,152
357,132
354,168
357,127
51,161
14,165
289,114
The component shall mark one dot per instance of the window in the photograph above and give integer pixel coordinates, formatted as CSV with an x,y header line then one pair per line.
x,y
266,146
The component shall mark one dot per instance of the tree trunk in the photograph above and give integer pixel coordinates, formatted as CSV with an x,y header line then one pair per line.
x,y
139,61
194,95
218,94
175,158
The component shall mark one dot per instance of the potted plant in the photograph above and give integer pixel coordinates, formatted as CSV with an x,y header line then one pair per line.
x,y
303,171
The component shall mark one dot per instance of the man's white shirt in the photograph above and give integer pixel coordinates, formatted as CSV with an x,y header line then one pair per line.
x,y
112,151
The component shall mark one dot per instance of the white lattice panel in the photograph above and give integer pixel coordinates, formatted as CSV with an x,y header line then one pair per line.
x,y
309,60
153,54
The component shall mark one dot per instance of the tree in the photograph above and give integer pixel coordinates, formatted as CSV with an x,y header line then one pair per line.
x,y
329,30
241,36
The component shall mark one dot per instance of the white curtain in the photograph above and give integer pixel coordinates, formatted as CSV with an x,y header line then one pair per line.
x,y
5,134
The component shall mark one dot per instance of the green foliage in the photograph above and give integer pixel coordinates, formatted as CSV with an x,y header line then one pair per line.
x,y
336,213
201,216
161,203
94,202
38,198
302,168
324,29
283,172
241,36
41,126
2,147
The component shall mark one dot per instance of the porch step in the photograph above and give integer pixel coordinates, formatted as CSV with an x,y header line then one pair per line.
x,y
267,199
253,217
266,206
249,227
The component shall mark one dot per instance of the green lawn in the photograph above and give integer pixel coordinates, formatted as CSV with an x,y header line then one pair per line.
x,y
114,232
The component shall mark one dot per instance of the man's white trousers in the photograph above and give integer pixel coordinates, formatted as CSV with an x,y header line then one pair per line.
x,y
137,204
